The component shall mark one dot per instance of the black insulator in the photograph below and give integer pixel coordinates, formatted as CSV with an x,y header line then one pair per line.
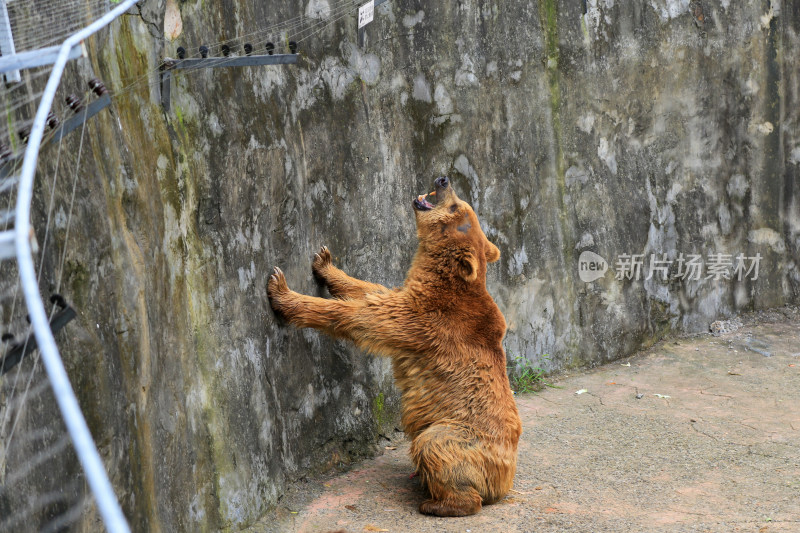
x,y
270,48
97,86
248,48
292,47
204,51
226,50
25,133
52,120
181,52
74,103
7,337
58,300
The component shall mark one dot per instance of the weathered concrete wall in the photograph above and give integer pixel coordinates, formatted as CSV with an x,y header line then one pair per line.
x,y
630,129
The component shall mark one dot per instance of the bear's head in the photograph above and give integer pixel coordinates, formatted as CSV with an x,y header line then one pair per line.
x,y
450,236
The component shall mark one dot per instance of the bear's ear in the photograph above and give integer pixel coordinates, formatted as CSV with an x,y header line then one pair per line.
x,y
468,267
492,252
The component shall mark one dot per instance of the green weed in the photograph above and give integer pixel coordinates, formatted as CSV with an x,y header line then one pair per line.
x,y
525,377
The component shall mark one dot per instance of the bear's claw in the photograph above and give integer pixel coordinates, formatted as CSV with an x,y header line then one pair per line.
x,y
322,260
276,284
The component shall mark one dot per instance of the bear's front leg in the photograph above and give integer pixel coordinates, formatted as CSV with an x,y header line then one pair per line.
x,y
382,322
339,284
331,316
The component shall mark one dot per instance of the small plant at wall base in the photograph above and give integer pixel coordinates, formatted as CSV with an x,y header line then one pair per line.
x,y
525,377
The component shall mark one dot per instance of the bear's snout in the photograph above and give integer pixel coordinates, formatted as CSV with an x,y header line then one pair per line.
x,y
442,182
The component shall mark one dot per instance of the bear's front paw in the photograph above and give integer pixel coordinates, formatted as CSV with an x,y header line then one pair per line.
x,y
277,288
322,260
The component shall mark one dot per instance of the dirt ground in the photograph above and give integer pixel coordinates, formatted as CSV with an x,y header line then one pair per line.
x,y
697,434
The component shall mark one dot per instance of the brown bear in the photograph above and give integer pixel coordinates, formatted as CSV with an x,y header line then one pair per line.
x,y
444,334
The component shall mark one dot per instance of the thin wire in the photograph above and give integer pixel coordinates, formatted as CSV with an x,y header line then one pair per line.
x,y
35,391
38,459
50,208
15,104
340,11
3,363
17,156
17,374
42,501
14,388
312,33
61,20
10,201
57,12
90,460
267,34
10,436
71,204
35,367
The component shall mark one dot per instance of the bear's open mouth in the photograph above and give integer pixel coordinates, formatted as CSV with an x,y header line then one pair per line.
x,y
421,202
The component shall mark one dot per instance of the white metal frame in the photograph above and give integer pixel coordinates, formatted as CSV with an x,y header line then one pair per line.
x,y
7,42
85,448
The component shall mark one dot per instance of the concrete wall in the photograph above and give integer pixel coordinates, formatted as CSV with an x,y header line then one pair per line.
x,y
635,128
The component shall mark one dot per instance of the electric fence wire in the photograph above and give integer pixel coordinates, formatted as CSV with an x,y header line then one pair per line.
x,y
72,510
9,138
299,29
65,399
304,27
10,434
7,222
307,30
61,19
304,31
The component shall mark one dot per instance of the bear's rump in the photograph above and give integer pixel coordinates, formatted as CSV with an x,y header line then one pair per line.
x,y
452,457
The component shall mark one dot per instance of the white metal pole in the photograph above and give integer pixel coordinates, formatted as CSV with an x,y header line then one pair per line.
x,y
85,448
7,41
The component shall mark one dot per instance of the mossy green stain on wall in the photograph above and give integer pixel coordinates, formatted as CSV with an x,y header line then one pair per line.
x,y
379,409
77,277
10,125
385,410
548,14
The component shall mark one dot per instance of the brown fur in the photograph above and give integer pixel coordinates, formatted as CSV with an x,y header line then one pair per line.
x,y
444,334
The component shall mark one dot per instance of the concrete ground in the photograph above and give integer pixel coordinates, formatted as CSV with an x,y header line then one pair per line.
x,y
697,434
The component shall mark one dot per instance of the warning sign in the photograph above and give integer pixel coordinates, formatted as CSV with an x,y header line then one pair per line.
x,y
365,13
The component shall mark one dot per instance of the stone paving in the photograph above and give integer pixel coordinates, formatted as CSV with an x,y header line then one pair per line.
x,y
697,434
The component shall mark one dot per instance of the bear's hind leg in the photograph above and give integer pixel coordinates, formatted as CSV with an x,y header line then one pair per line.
x,y
450,465
462,503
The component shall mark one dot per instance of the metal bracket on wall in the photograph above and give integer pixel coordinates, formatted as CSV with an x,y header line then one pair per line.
x,y
19,350
216,62
9,164
82,116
